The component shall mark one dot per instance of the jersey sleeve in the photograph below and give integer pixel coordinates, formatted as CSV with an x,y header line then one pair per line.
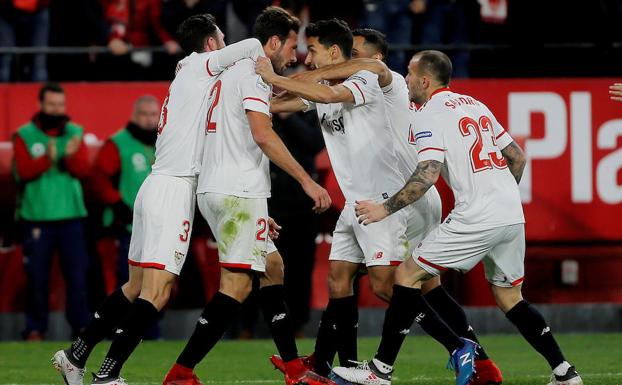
x,y
255,94
223,58
362,84
430,141
502,137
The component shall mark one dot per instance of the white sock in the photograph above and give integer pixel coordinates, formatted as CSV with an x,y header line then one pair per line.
x,y
382,367
561,369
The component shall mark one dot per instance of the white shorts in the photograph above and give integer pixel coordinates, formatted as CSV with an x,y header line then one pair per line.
x,y
423,216
162,224
240,226
501,248
382,243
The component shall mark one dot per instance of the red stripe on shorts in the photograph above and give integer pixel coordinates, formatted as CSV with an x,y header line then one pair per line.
x,y
518,281
396,263
236,265
154,265
434,265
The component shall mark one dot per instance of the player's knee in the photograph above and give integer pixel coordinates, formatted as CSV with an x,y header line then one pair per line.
x,y
131,289
507,297
339,286
275,271
382,290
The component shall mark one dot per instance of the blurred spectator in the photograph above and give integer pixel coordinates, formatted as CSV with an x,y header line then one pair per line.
x,y
448,22
50,157
394,19
121,166
291,208
248,10
24,23
135,24
176,11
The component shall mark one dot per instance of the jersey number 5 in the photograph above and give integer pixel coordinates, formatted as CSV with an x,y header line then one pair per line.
x,y
214,95
479,163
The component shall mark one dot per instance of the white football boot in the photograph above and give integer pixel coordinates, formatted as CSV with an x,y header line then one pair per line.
x,y
570,378
365,373
72,374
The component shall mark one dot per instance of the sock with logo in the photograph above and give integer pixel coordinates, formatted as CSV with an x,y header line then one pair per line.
x,y
279,322
533,327
141,316
325,342
108,315
453,315
407,305
214,321
346,326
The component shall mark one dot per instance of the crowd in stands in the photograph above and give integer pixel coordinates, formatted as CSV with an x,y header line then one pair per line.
x,y
126,26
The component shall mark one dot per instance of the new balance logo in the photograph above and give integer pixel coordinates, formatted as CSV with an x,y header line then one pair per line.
x,y
470,328
405,332
278,317
545,330
466,358
202,321
119,331
96,315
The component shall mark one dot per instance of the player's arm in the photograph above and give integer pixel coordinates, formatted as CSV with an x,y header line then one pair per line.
x,y
223,58
418,184
349,68
319,93
515,157
287,103
274,148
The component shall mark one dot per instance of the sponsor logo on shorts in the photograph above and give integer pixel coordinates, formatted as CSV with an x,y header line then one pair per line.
x,y
378,255
385,195
179,257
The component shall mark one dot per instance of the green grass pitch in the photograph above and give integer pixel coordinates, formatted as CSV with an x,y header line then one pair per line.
x,y
598,358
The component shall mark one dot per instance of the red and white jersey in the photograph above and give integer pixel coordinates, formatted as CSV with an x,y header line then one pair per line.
x,y
464,135
184,112
400,118
233,164
360,142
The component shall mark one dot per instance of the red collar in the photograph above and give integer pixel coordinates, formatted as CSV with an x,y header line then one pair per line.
x,y
439,91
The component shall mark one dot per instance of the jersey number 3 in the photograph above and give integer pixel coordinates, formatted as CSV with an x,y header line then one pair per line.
x,y
489,160
214,95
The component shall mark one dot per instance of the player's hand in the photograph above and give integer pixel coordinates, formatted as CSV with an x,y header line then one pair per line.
x,y
52,152
320,196
615,92
263,68
369,212
172,47
118,47
273,229
72,146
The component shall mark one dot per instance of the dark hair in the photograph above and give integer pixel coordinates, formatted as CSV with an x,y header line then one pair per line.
x,y
50,87
375,38
332,31
193,32
274,21
436,64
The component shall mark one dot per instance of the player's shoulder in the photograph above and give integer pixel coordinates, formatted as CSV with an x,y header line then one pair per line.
x,y
398,78
243,66
364,76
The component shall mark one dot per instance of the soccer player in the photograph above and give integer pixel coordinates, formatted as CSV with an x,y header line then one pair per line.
x,y
457,136
360,145
426,212
233,188
164,206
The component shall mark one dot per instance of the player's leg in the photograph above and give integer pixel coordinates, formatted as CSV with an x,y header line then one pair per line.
x,y
505,271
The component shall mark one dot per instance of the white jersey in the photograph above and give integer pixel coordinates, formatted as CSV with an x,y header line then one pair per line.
x,y
464,135
400,117
233,164
360,142
184,112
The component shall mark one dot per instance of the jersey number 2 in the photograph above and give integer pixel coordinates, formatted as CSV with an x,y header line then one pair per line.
x,y
468,126
214,95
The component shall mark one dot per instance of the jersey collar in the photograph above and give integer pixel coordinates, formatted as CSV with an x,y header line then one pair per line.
x,y
439,91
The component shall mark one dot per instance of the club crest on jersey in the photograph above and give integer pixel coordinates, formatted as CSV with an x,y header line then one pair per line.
x,y
335,125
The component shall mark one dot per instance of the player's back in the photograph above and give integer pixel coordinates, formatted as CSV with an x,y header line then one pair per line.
x,y
360,142
183,113
233,163
462,132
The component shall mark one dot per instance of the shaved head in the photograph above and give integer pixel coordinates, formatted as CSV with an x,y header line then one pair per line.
x,y
435,64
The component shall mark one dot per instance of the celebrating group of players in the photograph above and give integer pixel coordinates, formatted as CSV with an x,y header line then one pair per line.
x,y
214,146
